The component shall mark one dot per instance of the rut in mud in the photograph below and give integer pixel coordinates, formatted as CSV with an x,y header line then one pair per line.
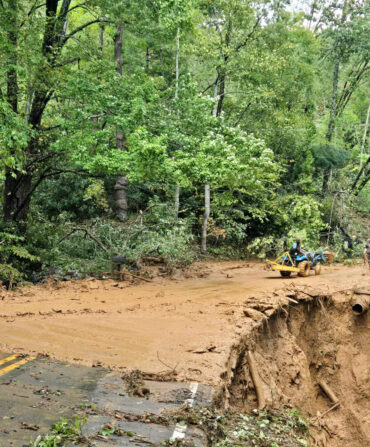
x,y
294,349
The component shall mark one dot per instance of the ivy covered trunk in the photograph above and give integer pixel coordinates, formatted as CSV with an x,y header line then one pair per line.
x,y
120,197
17,185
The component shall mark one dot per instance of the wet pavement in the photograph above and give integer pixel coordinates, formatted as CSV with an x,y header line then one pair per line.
x,y
37,392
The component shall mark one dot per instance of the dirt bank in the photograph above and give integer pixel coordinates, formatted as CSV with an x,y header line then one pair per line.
x,y
316,340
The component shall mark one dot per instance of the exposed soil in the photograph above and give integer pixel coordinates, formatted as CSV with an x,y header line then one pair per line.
x,y
319,340
200,325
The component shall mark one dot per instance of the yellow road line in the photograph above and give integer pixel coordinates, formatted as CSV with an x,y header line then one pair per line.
x,y
15,365
8,359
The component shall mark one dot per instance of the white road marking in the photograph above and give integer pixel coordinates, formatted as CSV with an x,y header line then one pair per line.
x,y
180,430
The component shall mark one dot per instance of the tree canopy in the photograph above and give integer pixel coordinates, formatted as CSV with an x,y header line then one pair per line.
x,y
266,104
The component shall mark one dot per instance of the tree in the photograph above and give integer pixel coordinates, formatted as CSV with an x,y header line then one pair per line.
x,y
54,18
346,32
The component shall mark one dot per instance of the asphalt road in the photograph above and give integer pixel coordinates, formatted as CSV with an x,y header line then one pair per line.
x,y
37,392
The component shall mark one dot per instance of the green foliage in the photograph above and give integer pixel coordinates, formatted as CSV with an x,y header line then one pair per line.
x,y
61,432
96,193
246,111
258,428
296,217
154,233
361,203
13,254
13,138
328,157
74,196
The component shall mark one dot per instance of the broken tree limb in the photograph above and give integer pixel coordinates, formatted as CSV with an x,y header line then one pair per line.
x,y
328,391
320,416
360,291
87,232
256,381
136,276
291,300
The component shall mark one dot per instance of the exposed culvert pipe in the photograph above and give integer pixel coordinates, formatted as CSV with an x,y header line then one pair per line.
x,y
329,392
361,301
360,304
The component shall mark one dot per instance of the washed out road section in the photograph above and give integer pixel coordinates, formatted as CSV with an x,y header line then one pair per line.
x,y
187,323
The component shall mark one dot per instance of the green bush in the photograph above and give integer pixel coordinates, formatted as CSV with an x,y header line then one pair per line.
x,y
67,246
13,257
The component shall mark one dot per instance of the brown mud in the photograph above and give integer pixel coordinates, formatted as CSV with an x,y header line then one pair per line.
x,y
319,339
201,324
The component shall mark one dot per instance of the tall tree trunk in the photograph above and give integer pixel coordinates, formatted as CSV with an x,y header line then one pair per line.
x,y
101,38
215,91
17,196
221,71
325,181
120,188
177,202
221,89
359,174
177,62
147,59
177,192
12,79
365,134
334,98
17,184
207,208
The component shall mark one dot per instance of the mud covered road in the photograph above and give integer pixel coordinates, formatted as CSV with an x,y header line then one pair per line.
x,y
200,327
187,324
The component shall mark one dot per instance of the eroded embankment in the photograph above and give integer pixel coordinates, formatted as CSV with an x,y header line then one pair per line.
x,y
315,339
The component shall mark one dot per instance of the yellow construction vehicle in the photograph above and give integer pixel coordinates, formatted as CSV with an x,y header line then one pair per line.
x,y
302,264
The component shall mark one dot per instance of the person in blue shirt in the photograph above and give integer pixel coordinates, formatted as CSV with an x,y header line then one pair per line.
x,y
295,250
366,254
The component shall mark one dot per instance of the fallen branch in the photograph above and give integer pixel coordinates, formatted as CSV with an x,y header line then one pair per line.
x,y
87,232
237,267
256,381
311,293
155,259
359,291
137,277
342,290
291,300
317,418
173,370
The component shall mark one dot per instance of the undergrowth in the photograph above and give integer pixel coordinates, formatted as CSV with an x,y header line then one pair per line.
x,y
285,428
66,247
61,432
259,429
13,253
